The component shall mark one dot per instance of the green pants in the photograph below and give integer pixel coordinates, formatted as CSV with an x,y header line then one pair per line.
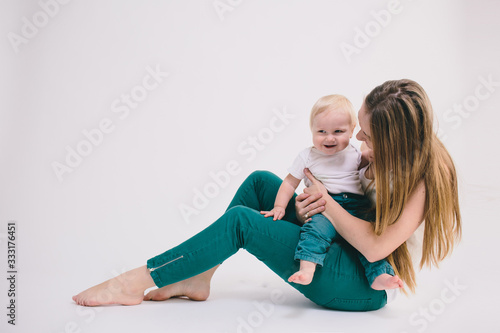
x,y
340,284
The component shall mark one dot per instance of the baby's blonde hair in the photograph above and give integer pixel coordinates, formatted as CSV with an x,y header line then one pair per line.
x,y
335,103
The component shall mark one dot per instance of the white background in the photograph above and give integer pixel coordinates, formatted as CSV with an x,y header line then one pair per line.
x,y
229,71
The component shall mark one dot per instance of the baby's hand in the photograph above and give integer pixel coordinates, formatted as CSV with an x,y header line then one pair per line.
x,y
276,212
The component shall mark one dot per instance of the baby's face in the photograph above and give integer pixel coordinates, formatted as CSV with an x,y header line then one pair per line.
x,y
331,132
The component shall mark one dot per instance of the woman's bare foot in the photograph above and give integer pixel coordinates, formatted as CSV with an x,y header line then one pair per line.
x,y
387,281
126,289
196,288
305,274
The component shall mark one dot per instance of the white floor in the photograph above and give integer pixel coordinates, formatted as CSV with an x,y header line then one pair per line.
x,y
461,296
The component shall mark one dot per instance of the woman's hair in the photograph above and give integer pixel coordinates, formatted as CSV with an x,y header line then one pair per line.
x,y
406,152
337,103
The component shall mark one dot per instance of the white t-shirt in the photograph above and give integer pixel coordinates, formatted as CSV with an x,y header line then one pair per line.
x,y
338,172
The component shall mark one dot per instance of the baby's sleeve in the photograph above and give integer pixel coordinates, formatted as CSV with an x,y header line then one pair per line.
x,y
297,168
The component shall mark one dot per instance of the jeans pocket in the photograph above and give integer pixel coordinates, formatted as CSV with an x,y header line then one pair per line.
x,y
351,304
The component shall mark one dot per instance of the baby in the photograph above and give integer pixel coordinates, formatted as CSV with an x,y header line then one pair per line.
x,y
336,163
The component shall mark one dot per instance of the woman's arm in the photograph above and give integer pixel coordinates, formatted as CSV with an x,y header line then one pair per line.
x,y
360,233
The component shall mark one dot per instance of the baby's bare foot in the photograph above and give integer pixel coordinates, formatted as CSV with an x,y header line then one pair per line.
x,y
387,281
126,289
302,277
305,274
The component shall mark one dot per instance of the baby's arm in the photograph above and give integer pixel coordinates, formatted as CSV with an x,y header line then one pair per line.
x,y
285,193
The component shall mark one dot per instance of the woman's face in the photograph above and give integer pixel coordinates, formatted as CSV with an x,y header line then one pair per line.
x,y
364,133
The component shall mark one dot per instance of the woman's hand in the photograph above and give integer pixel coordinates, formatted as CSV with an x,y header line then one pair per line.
x,y
310,202
316,186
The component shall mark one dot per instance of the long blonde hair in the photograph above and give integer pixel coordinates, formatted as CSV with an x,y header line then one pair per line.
x,y
407,151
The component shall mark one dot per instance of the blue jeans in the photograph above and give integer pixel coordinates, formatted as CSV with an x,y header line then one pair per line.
x,y
318,234
340,284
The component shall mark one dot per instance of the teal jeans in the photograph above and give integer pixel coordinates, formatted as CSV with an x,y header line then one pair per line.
x,y
317,236
340,284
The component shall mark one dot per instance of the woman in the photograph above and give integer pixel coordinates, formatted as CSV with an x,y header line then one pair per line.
x,y
415,181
